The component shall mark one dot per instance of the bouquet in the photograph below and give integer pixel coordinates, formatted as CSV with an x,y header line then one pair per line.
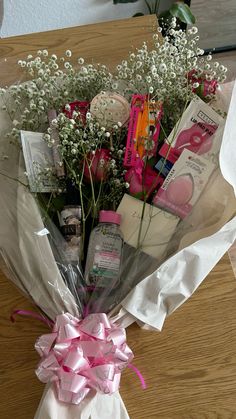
x,y
115,187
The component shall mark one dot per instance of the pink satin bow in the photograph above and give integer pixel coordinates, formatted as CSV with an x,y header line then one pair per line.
x,y
82,355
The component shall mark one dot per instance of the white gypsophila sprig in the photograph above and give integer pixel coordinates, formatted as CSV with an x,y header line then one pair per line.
x,y
54,82
162,71
80,141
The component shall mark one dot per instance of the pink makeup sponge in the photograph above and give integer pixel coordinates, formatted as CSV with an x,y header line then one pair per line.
x,y
180,190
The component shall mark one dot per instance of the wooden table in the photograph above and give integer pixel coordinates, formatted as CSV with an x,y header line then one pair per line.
x,y
190,367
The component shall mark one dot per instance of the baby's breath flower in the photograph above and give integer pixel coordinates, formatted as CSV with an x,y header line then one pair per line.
x,y
88,115
68,53
84,70
162,68
47,137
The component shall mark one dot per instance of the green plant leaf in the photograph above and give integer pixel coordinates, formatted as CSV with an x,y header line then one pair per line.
x,y
148,6
164,15
138,14
124,1
183,12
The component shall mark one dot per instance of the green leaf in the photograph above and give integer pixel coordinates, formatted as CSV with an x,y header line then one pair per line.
x,y
164,15
58,203
148,6
124,1
138,14
183,12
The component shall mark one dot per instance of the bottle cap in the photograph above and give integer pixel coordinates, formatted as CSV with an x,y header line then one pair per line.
x,y
109,217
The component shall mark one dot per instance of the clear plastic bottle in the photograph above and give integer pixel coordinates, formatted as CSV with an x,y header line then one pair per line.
x,y
105,251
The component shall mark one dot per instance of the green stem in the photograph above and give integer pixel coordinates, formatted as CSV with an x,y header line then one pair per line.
x,y
157,4
148,6
91,182
141,223
82,214
99,193
12,178
83,222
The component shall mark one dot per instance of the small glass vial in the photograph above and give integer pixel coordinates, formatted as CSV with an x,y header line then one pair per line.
x,y
105,251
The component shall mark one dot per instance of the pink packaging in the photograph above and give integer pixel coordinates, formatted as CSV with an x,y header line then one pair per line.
x,y
136,109
144,124
184,184
199,131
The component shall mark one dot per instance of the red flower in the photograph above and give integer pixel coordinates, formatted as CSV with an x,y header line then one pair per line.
x,y
77,106
205,88
98,164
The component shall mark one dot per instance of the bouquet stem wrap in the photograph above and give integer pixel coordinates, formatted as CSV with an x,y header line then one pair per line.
x,y
82,355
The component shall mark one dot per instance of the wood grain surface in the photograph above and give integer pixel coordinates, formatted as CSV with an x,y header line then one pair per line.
x,y
190,367
107,43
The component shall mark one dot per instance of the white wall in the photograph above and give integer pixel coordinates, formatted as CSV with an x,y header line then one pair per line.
x,y
27,16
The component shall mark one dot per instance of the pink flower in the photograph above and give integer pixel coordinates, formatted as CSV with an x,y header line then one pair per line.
x,y
99,164
142,180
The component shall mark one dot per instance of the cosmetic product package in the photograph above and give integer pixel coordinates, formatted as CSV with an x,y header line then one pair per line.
x,y
184,184
199,130
39,161
144,122
164,257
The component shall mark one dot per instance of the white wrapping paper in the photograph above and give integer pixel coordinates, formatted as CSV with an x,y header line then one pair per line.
x,y
96,406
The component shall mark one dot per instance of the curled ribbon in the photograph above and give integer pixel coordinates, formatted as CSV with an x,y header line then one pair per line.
x,y
80,355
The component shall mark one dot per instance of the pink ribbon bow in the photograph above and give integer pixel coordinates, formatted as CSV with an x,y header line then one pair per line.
x,y
82,355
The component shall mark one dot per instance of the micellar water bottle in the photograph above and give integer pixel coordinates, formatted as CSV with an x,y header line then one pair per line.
x,y
105,251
